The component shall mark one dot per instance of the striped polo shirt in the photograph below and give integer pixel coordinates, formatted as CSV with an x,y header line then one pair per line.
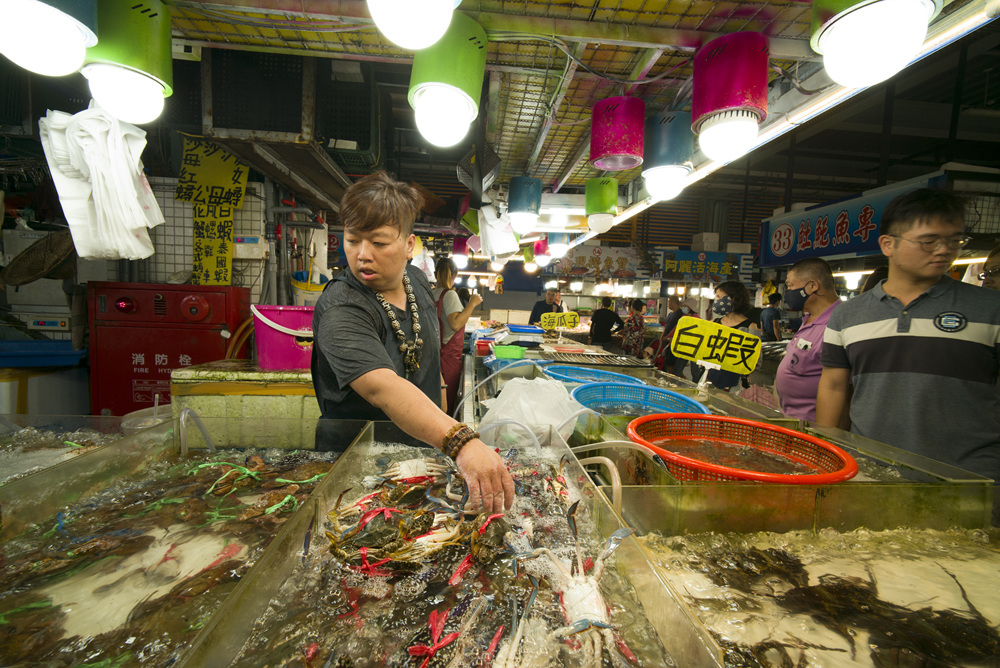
x,y
924,374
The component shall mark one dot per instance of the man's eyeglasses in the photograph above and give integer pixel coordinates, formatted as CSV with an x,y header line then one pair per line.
x,y
931,245
983,275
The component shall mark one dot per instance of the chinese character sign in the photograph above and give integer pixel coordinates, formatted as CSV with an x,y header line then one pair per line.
x,y
696,339
700,266
569,320
214,181
843,228
599,262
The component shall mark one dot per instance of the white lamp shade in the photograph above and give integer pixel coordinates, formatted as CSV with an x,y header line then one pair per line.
x,y
599,222
892,32
461,261
443,113
43,39
727,135
543,260
530,267
412,24
497,265
557,251
523,222
126,94
666,181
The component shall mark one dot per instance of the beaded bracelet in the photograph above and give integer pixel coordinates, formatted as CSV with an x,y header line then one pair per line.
x,y
461,441
455,428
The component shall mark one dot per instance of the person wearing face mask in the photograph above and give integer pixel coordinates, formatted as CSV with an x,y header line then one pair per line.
x,y
730,308
809,288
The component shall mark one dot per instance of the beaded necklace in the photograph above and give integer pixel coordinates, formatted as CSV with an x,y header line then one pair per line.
x,y
410,349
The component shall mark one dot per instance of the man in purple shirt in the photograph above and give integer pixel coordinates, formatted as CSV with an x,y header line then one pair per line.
x,y
809,288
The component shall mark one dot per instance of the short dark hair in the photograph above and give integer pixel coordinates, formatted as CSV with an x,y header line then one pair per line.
x,y
817,269
774,298
876,277
377,200
606,302
739,293
906,210
637,304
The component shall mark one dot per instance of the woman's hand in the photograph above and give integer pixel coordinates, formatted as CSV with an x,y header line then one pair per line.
x,y
491,489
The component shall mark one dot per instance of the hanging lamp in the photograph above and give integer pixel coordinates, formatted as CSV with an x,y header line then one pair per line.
x,y
542,256
558,245
412,24
890,31
668,154
524,201
130,71
729,96
616,133
49,38
446,82
601,199
460,252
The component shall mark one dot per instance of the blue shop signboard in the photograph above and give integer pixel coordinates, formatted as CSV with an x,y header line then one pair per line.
x,y
702,266
830,230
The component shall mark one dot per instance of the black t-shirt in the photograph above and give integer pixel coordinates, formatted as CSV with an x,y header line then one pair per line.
x,y
603,322
542,307
353,335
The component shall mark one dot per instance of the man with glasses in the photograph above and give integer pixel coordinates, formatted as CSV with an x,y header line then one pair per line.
x,y
920,350
990,276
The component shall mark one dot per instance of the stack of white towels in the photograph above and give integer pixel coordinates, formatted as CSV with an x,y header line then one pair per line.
x,y
94,161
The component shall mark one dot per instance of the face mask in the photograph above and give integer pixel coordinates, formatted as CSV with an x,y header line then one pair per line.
x,y
685,310
722,306
796,299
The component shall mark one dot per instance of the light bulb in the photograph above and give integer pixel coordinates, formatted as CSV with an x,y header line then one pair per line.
x,y
126,94
543,260
43,39
599,222
892,32
522,221
530,267
666,181
461,261
557,250
496,265
727,135
443,113
412,24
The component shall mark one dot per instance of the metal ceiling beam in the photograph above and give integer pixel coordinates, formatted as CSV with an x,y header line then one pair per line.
x,y
567,30
647,58
553,106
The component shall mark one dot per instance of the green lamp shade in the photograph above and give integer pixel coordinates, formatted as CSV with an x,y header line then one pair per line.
x,y
136,36
601,196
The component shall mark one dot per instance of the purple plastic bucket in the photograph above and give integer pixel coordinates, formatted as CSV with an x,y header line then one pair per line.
x,y
730,73
617,132
283,336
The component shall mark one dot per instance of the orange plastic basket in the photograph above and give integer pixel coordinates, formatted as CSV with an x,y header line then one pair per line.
x,y
830,463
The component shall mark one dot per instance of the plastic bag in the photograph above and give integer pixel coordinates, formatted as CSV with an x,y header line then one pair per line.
x,y
535,401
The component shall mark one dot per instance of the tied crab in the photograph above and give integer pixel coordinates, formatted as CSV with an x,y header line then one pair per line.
x,y
426,471
584,607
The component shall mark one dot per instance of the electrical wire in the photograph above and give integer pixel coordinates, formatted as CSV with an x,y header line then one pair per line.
x,y
797,85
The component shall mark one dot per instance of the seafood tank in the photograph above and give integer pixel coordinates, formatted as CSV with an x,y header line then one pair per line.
x,y
30,443
121,555
385,568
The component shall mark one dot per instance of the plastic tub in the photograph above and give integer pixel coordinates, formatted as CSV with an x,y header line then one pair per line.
x,y
580,374
283,335
509,352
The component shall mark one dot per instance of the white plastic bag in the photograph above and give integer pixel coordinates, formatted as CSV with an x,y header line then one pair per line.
x,y
535,401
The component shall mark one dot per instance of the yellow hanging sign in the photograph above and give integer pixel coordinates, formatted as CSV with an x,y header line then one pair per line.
x,y
569,320
696,339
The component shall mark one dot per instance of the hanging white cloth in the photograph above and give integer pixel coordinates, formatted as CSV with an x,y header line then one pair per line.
x,y
95,164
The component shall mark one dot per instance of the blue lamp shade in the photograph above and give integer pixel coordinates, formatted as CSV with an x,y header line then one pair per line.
x,y
558,244
524,201
50,37
668,153
601,200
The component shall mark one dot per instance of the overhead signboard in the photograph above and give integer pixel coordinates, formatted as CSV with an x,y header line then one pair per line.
x,y
569,320
602,263
706,341
849,227
702,266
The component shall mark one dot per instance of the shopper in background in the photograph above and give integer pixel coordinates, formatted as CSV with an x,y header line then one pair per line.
x,y
633,329
920,349
452,317
809,288
551,304
874,278
730,308
377,349
770,318
659,350
603,323
464,296
689,307
990,275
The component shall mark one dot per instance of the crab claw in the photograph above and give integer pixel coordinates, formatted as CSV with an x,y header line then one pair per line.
x,y
571,520
614,541
382,462
581,625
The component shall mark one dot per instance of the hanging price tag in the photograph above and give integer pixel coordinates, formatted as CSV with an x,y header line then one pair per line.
x,y
707,341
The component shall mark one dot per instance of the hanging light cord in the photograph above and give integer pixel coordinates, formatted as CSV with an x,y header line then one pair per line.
x,y
797,85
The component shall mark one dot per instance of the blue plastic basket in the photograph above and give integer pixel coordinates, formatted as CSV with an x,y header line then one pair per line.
x,y
581,374
645,398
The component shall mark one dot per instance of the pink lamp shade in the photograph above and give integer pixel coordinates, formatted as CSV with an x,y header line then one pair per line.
x,y
617,133
730,74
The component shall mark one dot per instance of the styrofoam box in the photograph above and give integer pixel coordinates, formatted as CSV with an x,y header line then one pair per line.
x,y
43,391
